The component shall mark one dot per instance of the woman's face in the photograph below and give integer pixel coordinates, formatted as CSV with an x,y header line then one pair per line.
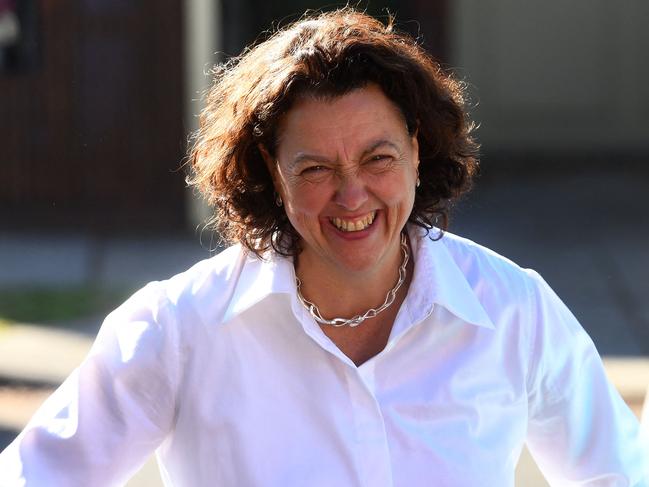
x,y
346,170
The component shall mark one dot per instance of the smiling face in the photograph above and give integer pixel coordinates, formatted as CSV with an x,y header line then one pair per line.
x,y
346,170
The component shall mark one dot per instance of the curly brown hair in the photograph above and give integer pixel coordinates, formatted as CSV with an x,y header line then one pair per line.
x,y
325,55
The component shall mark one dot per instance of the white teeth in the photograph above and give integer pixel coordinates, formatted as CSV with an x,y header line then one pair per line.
x,y
354,225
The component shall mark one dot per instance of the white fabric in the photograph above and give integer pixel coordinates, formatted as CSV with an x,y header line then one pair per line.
x,y
224,372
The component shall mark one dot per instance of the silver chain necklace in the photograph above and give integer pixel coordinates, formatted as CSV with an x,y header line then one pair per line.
x,y
370,313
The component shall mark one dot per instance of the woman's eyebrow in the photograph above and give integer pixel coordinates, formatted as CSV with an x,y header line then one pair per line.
x,y
378,144
302,157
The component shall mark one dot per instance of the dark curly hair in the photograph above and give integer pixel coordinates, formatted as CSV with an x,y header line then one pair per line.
x,y
326,55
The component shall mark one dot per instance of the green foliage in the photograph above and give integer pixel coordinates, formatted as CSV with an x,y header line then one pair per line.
x,y
57,305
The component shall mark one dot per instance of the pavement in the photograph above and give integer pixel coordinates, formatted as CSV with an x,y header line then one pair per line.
x,y
585,232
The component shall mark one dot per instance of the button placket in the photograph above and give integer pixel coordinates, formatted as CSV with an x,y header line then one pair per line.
x,y
312,329
372,451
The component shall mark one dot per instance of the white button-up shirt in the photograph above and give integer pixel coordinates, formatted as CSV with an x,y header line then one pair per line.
x,y
224,372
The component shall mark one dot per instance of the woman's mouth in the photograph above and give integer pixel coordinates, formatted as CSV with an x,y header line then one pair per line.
x,y
353,224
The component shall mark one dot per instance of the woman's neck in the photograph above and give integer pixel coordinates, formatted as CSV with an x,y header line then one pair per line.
x,y
341,293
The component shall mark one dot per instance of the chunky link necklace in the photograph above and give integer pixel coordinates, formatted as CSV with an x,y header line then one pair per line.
x,y
370,313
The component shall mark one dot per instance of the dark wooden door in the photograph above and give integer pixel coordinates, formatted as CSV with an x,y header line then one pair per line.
x,y
92,133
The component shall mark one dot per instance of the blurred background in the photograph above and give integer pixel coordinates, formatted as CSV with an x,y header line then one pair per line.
x,y
98,98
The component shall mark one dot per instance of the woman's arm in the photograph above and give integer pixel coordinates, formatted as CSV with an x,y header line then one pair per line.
x,y
580,430
99,427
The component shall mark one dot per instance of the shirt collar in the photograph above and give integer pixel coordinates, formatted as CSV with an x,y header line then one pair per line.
x,y
439,280
259,278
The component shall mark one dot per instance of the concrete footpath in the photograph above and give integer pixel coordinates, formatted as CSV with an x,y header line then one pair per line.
x,y
586,234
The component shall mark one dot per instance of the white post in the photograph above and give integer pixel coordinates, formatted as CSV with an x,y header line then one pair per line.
x,y
202,38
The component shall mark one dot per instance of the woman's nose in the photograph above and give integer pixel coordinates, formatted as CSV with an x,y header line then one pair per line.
x,y
351,193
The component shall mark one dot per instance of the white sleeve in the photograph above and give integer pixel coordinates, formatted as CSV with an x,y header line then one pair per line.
x,y
99,427
580,431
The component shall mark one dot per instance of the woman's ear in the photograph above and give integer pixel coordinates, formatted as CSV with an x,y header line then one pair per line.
x,y
268,159
271,164
415,144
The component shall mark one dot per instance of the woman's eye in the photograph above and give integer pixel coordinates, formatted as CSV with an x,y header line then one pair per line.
x,y
380,161
381,158
315,173
312,170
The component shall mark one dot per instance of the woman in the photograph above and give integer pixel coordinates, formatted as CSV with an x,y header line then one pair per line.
x,y
343,339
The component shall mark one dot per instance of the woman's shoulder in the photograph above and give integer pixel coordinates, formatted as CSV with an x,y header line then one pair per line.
x,y
500,283
211,272
477,260
186,293
496,281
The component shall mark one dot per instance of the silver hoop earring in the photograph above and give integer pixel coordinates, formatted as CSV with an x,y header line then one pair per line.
x,y
278,201
418,183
